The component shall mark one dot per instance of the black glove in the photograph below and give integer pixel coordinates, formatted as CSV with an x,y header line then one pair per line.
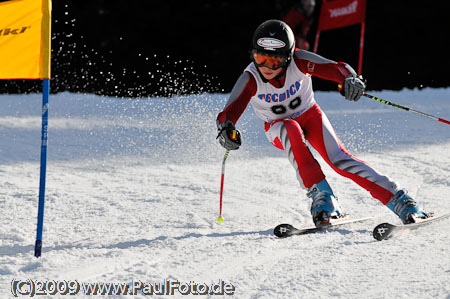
x,y
353,88
229,137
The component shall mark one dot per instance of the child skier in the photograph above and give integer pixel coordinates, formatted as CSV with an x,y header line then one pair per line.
x,y
278,85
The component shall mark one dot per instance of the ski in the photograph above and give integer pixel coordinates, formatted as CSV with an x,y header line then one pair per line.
x,y
287,230
386,231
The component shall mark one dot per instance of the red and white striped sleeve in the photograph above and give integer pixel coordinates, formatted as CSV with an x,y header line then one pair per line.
x,y
242,92
316,65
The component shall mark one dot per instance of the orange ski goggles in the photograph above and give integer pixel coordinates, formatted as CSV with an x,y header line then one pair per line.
x,y
271,62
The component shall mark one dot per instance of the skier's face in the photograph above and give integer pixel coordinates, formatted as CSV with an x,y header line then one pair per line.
x,y
269,73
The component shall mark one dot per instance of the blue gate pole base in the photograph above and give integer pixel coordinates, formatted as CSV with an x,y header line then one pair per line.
x,y
38,248
44,137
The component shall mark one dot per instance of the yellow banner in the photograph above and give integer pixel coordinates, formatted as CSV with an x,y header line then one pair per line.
x,y
25,34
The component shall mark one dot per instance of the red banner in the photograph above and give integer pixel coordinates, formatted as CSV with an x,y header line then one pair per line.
x,y
341,13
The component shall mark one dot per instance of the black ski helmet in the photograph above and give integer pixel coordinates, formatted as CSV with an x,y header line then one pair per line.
x,y
274,37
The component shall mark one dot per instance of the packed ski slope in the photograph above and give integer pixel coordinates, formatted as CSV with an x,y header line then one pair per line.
x,y
133,195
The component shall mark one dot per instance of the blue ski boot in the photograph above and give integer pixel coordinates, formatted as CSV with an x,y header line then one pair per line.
x,y
325,205
406,208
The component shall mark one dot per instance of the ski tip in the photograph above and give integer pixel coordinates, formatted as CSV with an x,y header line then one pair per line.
x,y
382,231
283,230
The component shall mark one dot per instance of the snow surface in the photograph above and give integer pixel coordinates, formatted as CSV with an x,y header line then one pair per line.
x,y
133,194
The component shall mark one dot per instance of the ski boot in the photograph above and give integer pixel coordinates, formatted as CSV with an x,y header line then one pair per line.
x,y
406,208
325,206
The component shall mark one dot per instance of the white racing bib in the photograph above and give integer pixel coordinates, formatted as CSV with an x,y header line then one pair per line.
x,y
290,101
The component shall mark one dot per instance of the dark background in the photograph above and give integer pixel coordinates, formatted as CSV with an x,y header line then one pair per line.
x,y
142,48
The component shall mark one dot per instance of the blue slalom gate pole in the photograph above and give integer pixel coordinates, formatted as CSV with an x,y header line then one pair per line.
x,y
44,136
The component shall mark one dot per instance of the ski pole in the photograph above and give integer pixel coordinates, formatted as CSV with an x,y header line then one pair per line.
x,y
220,218
340,87
406,108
